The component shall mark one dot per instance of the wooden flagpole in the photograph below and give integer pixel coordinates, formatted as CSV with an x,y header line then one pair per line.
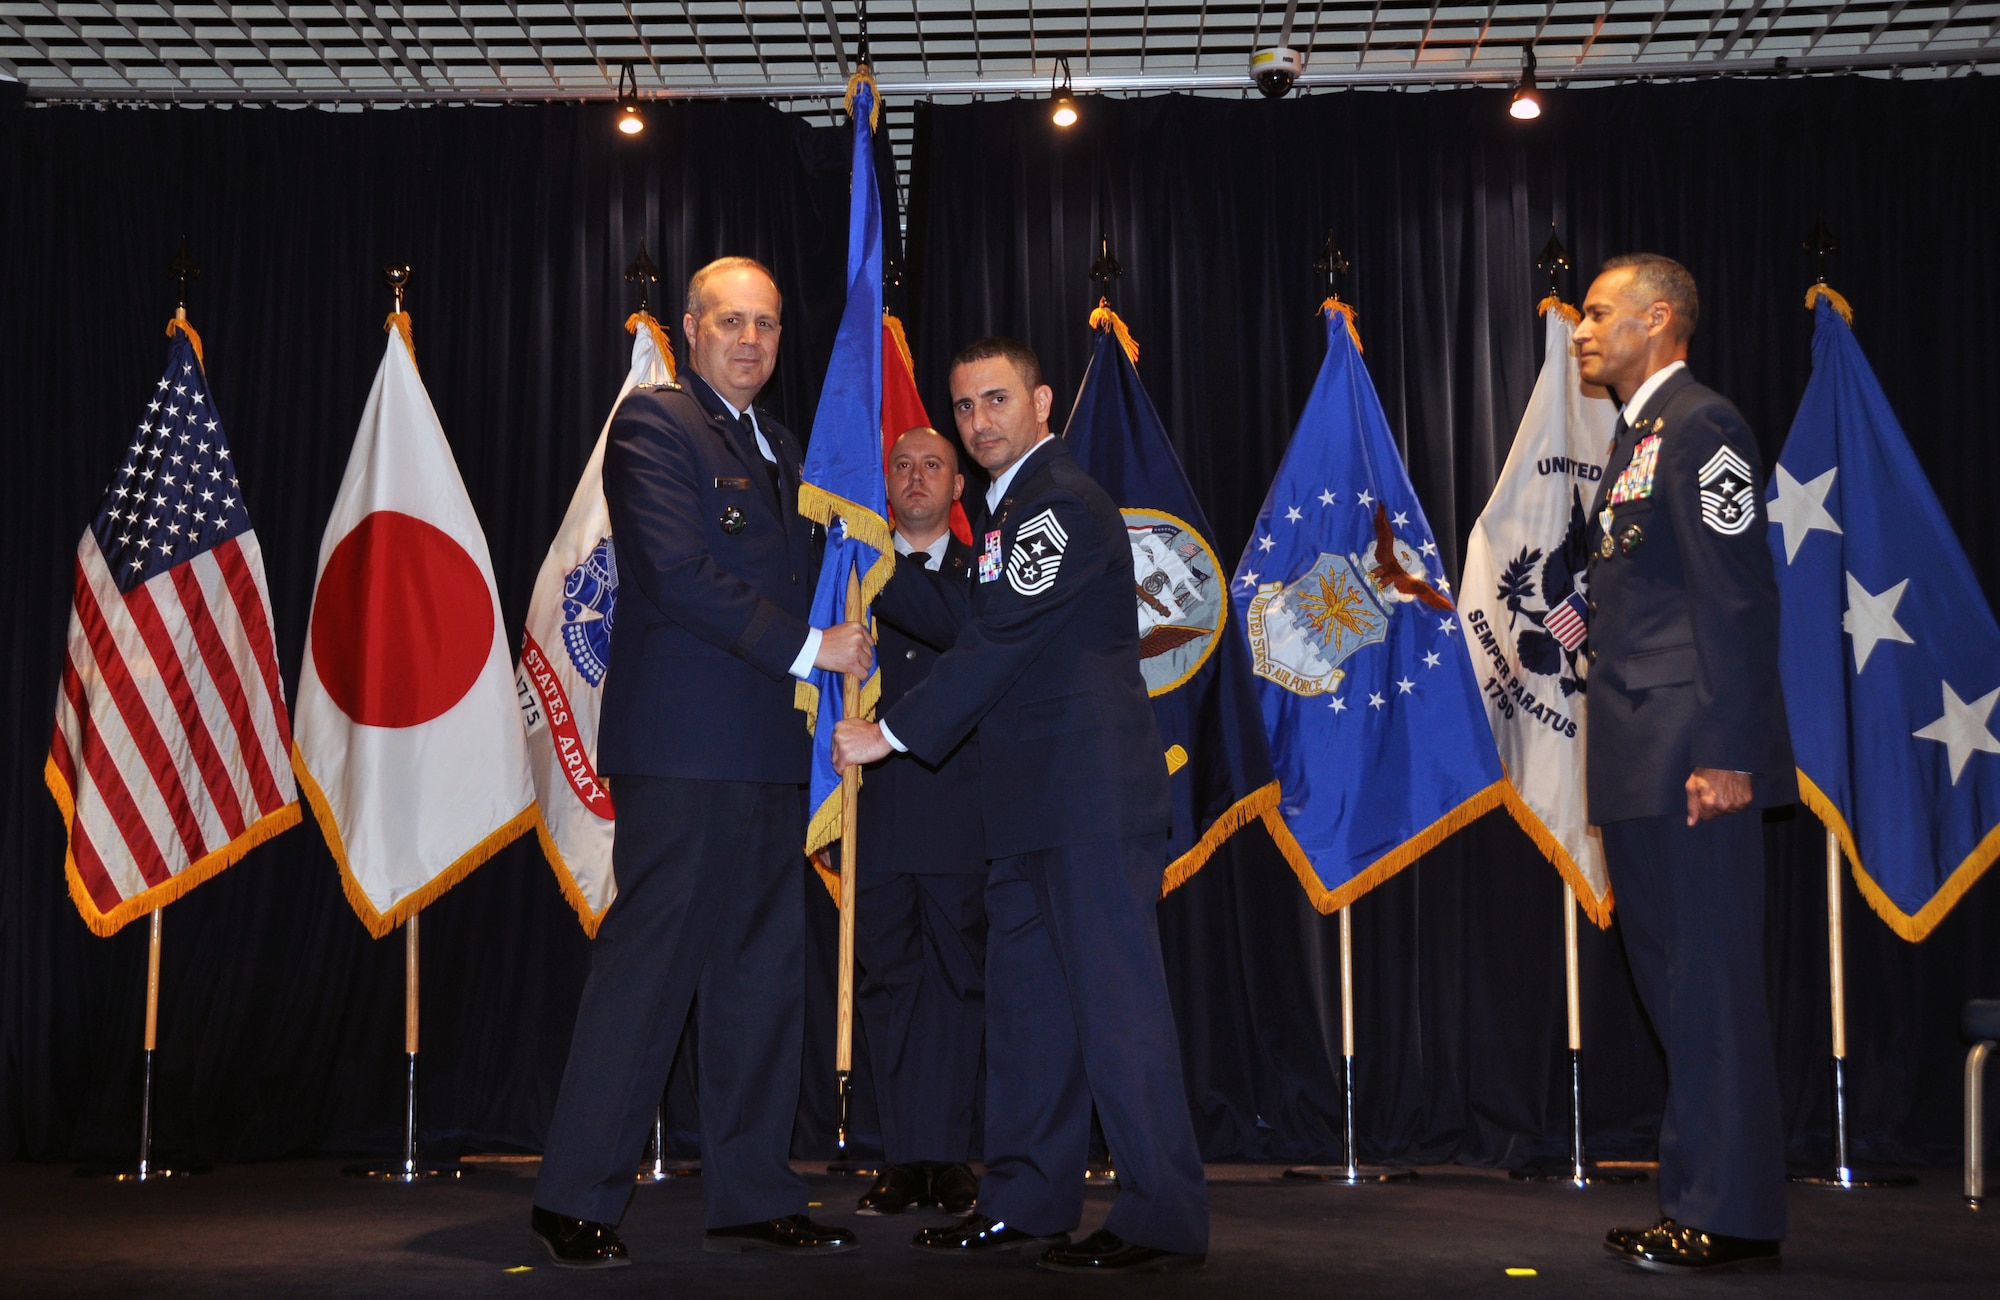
x,y
850,797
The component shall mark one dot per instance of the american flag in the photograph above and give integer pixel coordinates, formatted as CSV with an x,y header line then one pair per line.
x,y
1566,622
171,755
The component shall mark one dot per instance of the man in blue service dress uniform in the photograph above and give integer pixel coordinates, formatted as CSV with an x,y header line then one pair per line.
x,y
920,923
1688,739
1044,661
707,760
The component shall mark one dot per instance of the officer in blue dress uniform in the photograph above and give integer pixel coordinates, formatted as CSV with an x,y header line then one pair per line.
x,y
920,923
1688,740
707,760
1044,661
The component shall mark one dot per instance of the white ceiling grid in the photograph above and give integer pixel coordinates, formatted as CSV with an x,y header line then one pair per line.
x,y
785,49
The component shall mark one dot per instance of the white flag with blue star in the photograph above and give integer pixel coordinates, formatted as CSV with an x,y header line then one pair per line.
x,y
1890,654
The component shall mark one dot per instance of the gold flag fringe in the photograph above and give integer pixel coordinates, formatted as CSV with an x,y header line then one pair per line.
x,y
106,924
895,328
1561,308
377,923
1597,909
1818,291
1103,316
660,341
1328,901
399,321
1915,928
179,325
1334,304
862,74
827,876
566,879
1261,802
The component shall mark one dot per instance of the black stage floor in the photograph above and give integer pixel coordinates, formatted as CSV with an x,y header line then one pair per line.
x,y
299,1228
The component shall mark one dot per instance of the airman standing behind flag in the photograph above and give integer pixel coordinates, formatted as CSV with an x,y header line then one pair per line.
x,y
1687,741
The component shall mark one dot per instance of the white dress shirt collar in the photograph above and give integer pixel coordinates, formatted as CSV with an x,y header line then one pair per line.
x,y
997,492
933,554
1636,405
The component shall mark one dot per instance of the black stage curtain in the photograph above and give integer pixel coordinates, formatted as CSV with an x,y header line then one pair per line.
x,y
279,1016
1217,210
281,1020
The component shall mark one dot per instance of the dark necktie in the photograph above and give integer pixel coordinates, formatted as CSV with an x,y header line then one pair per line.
x,y
749,428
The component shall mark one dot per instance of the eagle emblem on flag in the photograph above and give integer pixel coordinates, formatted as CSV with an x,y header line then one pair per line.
x,y
1302,631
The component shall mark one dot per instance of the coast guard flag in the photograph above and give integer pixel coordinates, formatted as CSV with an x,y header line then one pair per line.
x,y
565,650
1522,611
1890,655
1196,662
168,759
1379,740
409,743
843,486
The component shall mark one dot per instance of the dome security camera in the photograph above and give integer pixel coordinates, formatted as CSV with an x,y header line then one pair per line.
x,y
1276,68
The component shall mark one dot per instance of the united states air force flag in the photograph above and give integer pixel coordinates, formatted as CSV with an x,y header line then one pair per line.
x,y
1522,610
1890,655
843,486
1196,662
1376,730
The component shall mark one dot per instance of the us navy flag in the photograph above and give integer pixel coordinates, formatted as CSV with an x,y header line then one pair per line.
x,y
1377,733
1196,662
1890,655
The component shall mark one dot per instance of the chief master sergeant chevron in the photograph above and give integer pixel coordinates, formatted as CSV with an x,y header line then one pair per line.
x,y
1688,739
1043,659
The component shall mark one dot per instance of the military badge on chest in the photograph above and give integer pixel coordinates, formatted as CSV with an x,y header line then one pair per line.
x,y
989,557
1037,555
1728,503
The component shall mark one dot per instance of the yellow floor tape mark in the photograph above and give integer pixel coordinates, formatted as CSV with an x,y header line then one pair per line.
x,y
521,1268
1520,1272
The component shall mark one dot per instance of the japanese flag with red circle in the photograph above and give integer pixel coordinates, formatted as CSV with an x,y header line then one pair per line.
x,y
408,741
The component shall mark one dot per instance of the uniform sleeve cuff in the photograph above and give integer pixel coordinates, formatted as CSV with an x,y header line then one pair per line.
x,y
802,666
890,736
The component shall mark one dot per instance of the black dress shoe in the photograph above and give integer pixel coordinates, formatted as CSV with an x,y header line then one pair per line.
x,y
1106,1252
899,1188
1681,1249
981,1235
1620,1240
794,1234
577,1243
954,1188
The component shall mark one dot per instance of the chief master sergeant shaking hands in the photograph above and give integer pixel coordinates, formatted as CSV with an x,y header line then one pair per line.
x,y
1688,739
707,760
1044,661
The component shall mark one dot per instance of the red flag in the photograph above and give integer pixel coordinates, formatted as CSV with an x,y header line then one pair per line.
x,y
903,410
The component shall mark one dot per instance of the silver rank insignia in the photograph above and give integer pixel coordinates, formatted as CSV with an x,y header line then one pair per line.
x,y
1728,503
1036,555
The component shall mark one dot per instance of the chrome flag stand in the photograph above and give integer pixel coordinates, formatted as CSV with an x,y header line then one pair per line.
x,y
1353,1173
409,1169
145,1171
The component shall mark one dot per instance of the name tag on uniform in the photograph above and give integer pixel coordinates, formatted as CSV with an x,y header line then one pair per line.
x,y
989,559
740,484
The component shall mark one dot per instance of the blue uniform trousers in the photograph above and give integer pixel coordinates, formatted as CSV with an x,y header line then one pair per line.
x,y
709,903
1691,912
1078,1013
921,944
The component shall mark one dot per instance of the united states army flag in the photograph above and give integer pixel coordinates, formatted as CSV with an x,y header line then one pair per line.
x,y
565,652
1524,614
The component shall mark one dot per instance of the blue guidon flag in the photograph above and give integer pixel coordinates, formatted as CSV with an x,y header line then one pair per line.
x,y
1193,654
1376,728
843,485
1890,655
